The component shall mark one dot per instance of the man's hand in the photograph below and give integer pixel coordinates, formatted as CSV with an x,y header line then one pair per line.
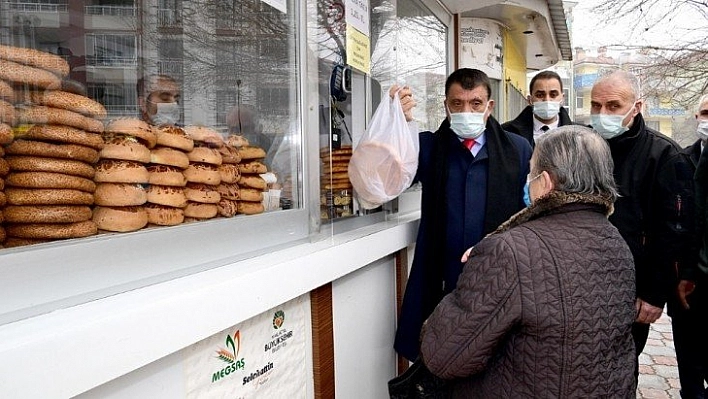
x,y
407,101
684,289
646,312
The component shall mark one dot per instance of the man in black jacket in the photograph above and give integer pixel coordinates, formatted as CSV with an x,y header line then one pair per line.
x,y
653,211
545,110
690,310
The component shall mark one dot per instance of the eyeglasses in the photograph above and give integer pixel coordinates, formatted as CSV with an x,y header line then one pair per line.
x,y
533,178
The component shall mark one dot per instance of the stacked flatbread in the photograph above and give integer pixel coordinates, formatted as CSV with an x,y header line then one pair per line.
x,y
251,184
230,175
56,136
335,185
121,174
166,197
202,173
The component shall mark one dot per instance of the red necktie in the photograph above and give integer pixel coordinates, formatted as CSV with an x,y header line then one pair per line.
x,y
468,143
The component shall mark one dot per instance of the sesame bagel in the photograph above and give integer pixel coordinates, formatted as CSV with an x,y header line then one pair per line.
x,y
251,194
230,173
4,167
62,134
20,163
52,230
169,156
6,91
250,208
120,219
7,113
251,152
49,180
252,167
12,242
252,181
205,155
36,58
229,154
227,208
24,74
42,149
69,101
126,148
133,127
47,196
166,175
200,211
164,215
58,116
229,191
204,134
119,194
202,173
202,193
166,195
47,213
6,135
115,171
174,137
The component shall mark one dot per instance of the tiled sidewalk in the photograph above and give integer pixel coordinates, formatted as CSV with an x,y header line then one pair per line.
x,y
658,375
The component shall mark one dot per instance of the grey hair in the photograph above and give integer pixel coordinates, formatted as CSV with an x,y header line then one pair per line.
x,y
578,160
701,101
624,77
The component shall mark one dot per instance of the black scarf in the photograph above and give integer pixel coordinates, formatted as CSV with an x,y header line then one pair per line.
x,y
503,197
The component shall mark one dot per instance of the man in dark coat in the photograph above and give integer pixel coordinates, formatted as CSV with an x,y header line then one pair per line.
x,y
545,110
472,174
689,310
655,182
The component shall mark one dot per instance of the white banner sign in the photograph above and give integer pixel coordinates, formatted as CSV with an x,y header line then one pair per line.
x,y
481,46
357,15
263,357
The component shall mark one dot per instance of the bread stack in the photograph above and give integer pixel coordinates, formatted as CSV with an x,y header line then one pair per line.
x,y
335,185
4,169
251,183
166,197
6,114
57,136
230,174
121,175
203,176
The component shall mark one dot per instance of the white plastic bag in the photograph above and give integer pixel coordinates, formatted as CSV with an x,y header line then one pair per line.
x,y
384,163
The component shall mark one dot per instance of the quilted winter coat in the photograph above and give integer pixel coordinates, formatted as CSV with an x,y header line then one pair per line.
x,y
543,308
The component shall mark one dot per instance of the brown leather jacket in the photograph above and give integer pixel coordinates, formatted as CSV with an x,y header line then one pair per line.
x,y
543,308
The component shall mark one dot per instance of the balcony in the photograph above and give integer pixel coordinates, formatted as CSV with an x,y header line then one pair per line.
x,y
114,11
111,61
38,7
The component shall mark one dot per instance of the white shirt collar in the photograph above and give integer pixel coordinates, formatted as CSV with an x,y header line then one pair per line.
x,y
537,125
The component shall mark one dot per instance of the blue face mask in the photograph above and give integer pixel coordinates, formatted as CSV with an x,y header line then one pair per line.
x,y
527,196
527,193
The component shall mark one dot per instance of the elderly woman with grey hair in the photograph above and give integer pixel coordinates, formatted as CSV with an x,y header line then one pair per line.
x,y
545,304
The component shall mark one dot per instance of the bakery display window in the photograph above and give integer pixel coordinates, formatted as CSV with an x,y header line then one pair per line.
x,y
408,46
144,140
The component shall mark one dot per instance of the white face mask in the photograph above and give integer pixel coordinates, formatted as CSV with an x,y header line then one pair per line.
x,y
702,130
610,126
468,125
167,113
546,109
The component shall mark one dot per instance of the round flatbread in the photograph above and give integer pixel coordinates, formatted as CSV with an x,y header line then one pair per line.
x,y
52,230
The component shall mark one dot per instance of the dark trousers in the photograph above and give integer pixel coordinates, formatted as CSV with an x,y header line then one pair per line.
x,y
640,333
691,344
